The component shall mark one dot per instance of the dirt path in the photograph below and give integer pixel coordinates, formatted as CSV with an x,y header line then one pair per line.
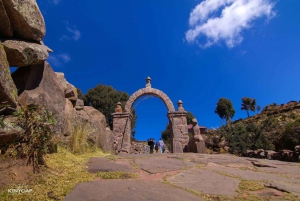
x,y
191,177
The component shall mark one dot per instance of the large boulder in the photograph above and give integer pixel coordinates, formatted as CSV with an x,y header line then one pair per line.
x,y
21,53
5,26
97,124
39,84
8,90
26,19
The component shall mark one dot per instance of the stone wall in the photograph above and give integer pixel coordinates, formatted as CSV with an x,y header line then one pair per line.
x,y
139,148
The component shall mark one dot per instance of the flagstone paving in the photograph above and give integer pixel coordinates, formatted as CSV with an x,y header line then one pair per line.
x,y
191,176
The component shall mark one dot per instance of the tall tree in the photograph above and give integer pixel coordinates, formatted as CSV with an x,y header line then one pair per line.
x,y
248,104
104,98
225,109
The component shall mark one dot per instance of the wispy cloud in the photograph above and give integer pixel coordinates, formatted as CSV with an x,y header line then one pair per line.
x,y
74,34
59,60
55,2
236,16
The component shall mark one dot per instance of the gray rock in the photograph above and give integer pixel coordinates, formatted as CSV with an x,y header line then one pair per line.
x,y
71,92
133,190
161,164
205,181
71,119
8,90
39,84
61,80
104,165
96,122
79,104
10,133
5,26
26,19
106,141
21,53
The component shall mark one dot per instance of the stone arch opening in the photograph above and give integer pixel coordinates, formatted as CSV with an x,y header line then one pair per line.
x,y
177,121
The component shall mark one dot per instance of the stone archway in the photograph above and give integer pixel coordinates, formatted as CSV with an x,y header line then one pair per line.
x,y
177,121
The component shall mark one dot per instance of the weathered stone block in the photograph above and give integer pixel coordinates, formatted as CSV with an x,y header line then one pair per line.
x,y
21,53
5,26
71,92
26,19
39,84
79,104
8,90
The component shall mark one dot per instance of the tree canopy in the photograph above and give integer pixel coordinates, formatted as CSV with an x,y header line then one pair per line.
x,y
104,98
225,109
249,104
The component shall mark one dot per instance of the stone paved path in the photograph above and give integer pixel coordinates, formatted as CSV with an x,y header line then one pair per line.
x,y
190,177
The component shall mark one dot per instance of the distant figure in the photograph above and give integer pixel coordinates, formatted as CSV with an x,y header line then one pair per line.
x,y
156,147
151,143
161,145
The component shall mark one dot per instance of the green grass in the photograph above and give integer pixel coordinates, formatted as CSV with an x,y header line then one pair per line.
x,y
117,175
248,185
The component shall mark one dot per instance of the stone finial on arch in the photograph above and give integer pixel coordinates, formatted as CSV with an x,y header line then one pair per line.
x,y
149,91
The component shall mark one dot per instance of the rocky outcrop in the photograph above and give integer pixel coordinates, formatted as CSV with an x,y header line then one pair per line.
x,y
106,141
21,53
39,84
5,27
22,29
8,90
71,92
25,18
99,134
9,133
71,118
79,104
61,80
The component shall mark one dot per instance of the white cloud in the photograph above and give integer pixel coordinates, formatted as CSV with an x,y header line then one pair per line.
x,y
59,60
235,16
54,1
74,33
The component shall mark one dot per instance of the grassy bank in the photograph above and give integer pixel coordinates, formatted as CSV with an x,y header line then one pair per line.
x,y
64,171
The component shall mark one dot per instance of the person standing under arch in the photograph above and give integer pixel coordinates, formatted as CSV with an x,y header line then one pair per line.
x,y
161,145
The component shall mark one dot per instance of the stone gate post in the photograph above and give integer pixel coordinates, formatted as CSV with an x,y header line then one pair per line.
x,y
179,134
122,131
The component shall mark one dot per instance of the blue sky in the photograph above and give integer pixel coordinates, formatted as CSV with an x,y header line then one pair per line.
x,y
194,51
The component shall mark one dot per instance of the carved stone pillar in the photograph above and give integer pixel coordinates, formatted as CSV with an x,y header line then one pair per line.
x,y
122,131
179,134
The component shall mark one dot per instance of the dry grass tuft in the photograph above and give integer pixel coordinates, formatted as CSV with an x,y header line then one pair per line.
x,y
79,139
64,172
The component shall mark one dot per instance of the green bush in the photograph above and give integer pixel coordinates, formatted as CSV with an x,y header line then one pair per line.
x,y
245,136
37,123
291,135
